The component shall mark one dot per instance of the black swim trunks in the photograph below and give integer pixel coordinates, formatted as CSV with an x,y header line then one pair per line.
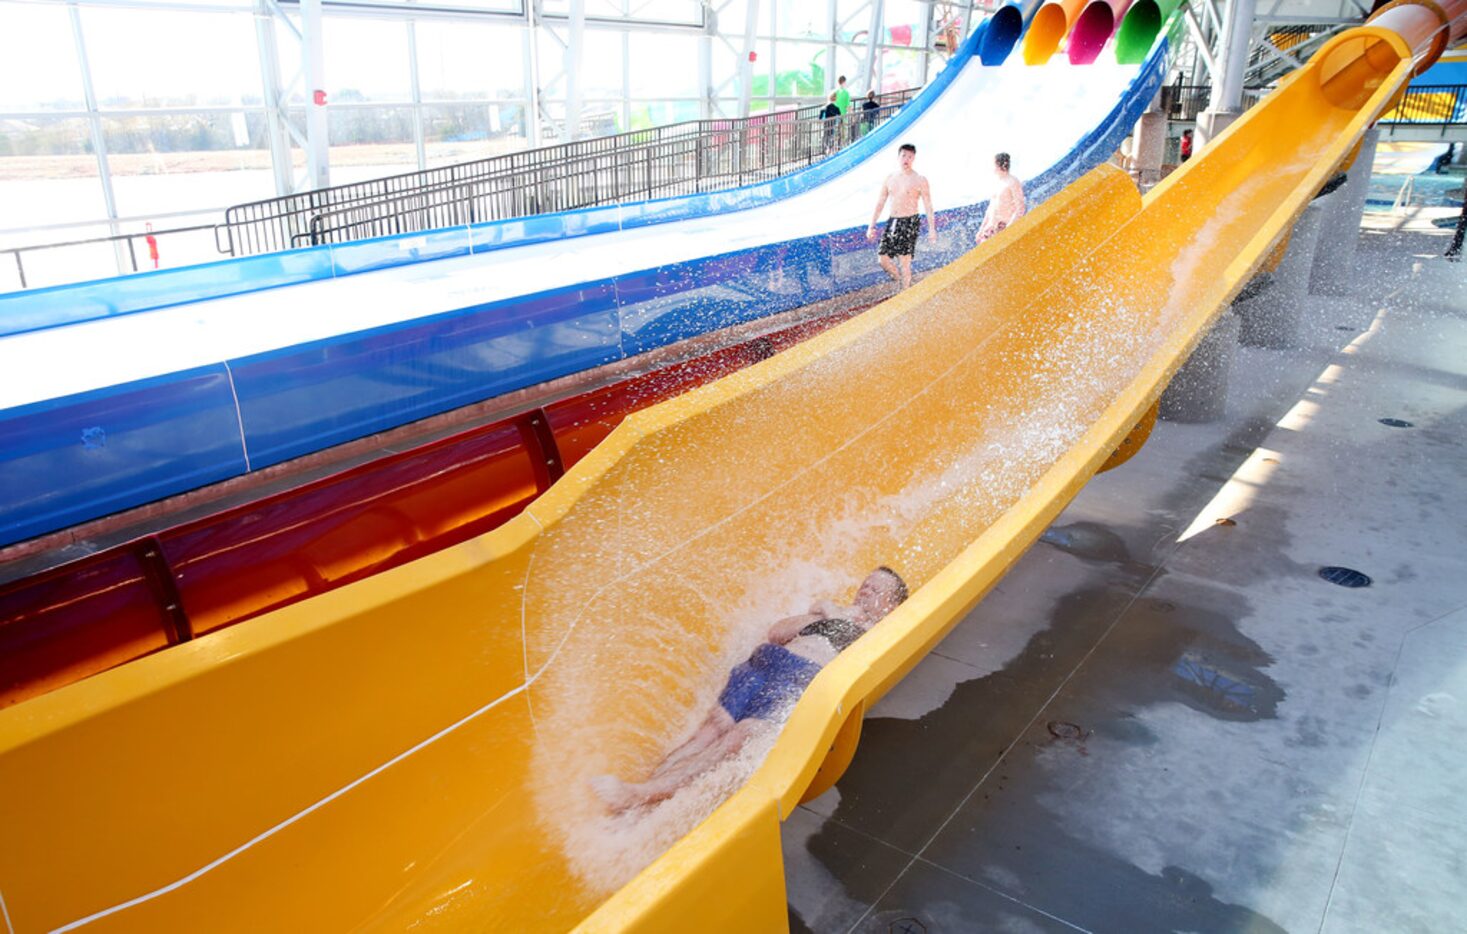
x,y
900,238
839,632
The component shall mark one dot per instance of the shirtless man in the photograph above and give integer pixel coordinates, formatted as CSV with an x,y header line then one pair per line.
x,y
761,689
1007,204
907,190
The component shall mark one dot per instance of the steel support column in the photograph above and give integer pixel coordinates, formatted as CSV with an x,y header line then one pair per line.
x,y
626,81
746,67
1199,42
927,9
873,32
1210,8
277,113
532,64
417,92
1227,94
313,62
832,25
99,141
1226,102
575,42
706,93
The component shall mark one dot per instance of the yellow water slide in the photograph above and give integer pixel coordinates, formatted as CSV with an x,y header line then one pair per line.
x,y
414,750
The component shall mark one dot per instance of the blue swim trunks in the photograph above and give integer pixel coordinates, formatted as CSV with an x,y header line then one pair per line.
x,y
764,686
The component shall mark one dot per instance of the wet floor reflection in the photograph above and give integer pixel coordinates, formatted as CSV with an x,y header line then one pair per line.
x,y
994,854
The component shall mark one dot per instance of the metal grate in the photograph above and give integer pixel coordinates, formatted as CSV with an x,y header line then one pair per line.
x,y
1345,577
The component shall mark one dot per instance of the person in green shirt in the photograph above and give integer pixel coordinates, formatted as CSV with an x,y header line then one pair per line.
x,y
842,96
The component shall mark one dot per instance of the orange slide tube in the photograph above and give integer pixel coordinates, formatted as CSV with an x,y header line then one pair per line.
x,y
1420,22
1049,28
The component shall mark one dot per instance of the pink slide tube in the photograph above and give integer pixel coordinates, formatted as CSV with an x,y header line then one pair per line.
x,y
1093,29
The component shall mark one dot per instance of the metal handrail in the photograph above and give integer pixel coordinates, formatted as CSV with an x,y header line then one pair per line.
x,y
1429,105
276,223
699,163
125,240
679,158
1185,101
1299,42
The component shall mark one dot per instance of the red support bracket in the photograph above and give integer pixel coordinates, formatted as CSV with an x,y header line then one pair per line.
x,y
539,440
165,588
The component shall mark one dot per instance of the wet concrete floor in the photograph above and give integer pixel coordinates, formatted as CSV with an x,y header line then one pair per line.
x,y
1164,718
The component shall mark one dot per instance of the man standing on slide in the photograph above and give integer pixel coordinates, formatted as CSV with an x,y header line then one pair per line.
x,y
907,191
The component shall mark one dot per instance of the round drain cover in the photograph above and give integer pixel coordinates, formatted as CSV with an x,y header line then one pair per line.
x,y
1061,730
1396,423
1345,577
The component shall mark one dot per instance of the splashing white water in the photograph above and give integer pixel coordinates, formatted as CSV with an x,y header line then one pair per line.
x,y
1088,358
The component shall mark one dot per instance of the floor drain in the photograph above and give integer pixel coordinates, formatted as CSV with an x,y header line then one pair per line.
x,y
1345,577
1062,730
1396,423
907,926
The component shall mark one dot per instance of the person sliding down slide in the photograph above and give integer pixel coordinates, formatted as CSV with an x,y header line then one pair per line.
x,y
760,690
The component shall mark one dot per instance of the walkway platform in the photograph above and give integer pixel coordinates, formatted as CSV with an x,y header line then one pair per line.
x,y
1163,718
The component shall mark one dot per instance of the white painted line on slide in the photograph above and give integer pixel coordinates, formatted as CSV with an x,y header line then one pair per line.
x,y
260,838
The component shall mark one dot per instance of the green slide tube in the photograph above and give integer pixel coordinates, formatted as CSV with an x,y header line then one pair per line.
x,y
1139,28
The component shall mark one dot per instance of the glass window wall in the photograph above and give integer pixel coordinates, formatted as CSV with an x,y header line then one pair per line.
x,y
470,61
180,122
470,130
38,67
171,58
663,65
366,60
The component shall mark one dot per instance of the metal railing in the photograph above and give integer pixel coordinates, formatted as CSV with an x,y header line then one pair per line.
x,y
680,158
536,181
136,247
1430,105
1290,44
723,154
1186,101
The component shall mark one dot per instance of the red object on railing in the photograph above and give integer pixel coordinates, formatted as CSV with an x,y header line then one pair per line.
x,y
152,246
131,600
